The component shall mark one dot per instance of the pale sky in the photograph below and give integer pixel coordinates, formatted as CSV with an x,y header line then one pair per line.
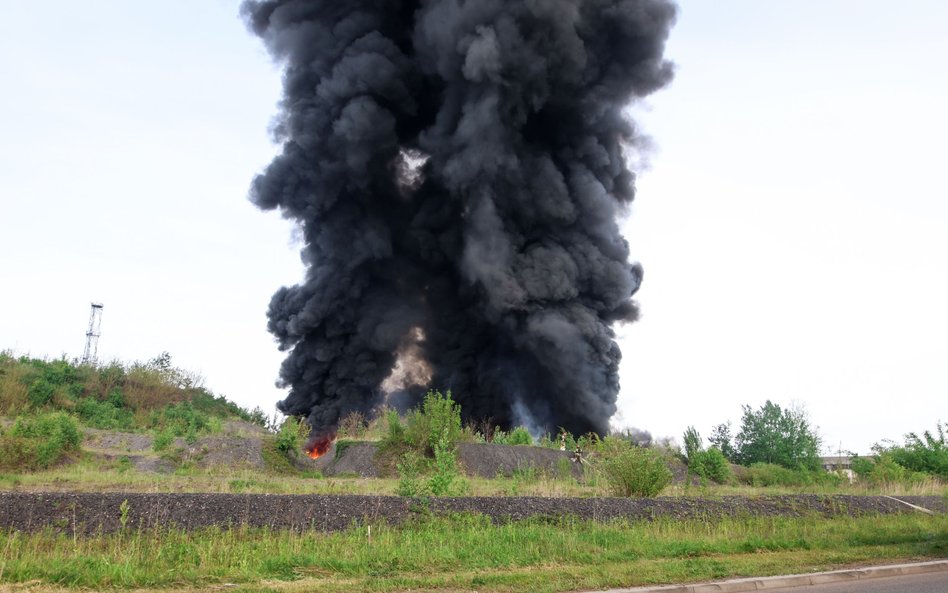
x,y
793,221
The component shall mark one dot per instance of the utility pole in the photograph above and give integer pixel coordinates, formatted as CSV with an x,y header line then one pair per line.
x,y
92,335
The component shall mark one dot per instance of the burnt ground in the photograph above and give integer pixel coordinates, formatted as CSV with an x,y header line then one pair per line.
x,y
94,513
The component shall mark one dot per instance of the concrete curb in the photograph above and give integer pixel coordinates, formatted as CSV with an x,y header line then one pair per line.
x,y
793,580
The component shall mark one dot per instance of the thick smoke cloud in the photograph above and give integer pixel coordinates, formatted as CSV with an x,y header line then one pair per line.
x,y
456,169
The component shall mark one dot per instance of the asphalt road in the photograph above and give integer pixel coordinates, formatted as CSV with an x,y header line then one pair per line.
x,y
932,582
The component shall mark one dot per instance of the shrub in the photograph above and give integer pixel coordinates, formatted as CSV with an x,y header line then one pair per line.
x,y
517,436
41,393
104,415
862,466
438,421
882,470
410,468
445,479
770,474
182,419
163,440
632,471
292,433
710,465
927,453
426,444
40,441
258,417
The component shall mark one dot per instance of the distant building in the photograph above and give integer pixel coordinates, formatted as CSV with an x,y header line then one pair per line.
x,y
840,464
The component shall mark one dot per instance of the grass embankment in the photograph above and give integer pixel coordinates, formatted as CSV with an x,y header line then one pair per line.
x,y
48,402
467,552
94,475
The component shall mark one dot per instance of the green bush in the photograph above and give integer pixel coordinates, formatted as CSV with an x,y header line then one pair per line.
x,y
445,477
105,415
181,419
38,442
862,466
163,440
927,453
882,470
56,373
771,474
438,421
410,468
292,433
41,393
517,436
425,445
632,471
710,465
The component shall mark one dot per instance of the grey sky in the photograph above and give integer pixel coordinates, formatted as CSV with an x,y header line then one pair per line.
x,y
793,223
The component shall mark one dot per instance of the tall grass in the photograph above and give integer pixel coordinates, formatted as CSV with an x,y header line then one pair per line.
x,y
468,552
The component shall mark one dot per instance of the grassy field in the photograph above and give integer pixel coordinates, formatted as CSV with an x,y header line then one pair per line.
x,y
465,553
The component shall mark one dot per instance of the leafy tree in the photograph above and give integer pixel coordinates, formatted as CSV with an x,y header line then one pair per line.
x,y
918,459
775,435
722,439
692,441
928,453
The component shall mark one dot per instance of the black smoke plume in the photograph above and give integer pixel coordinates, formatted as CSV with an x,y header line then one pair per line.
x,y
456,168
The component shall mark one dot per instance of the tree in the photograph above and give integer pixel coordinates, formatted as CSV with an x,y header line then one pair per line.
x,y
774,435
692,442
928,453
721,438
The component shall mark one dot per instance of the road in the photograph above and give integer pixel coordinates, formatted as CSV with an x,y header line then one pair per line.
x,y
932,582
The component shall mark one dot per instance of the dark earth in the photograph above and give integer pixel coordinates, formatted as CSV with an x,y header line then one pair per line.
x,y
93,513
486,461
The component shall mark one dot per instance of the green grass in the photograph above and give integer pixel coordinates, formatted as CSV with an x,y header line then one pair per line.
x,y
95,475
152,395
468,552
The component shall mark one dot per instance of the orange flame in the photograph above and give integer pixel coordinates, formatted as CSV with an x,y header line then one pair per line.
x,y
319,445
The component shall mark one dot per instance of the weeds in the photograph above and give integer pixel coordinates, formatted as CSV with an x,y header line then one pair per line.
x,y
451,553
632,471
38,442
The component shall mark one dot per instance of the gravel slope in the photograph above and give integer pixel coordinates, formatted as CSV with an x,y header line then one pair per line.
x,y
90,513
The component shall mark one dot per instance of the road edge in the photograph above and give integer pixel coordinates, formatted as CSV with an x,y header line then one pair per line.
x,y
792,580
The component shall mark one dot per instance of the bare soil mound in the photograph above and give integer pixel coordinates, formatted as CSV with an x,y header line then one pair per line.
x,y
93,513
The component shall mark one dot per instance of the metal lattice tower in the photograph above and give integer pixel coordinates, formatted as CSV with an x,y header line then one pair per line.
x,y
92,335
